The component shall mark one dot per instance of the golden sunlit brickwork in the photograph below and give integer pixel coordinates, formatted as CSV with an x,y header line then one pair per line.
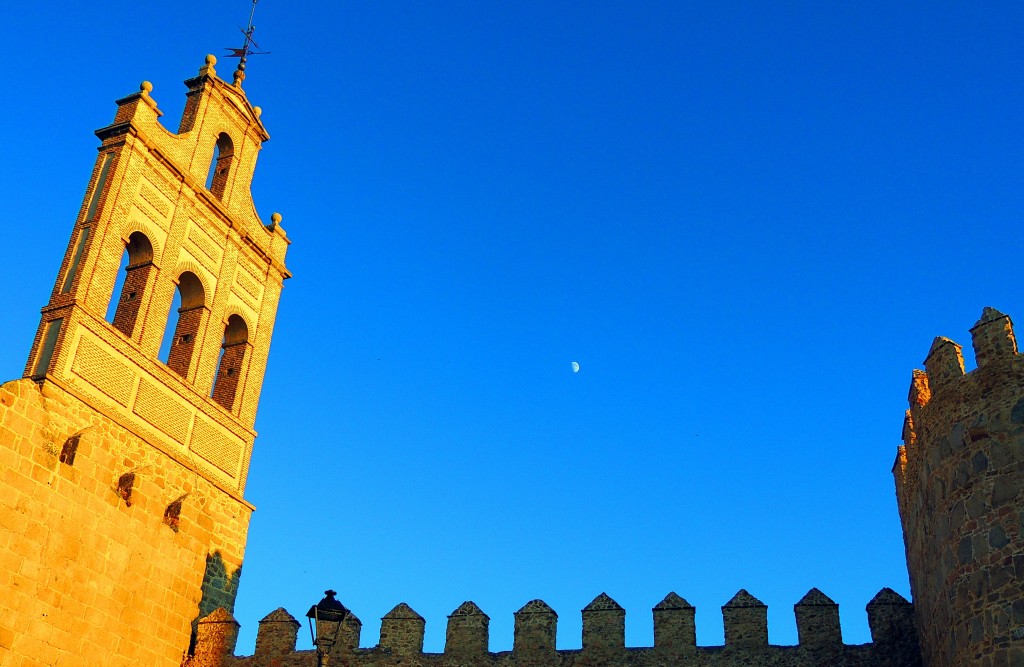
x,y
121,500
960,485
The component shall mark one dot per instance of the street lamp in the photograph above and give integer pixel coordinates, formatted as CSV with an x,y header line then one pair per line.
x,y
326,611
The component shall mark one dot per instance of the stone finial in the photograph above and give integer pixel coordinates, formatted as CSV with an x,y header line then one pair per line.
x,y
401,630
208,69
817,619
993,337
746,620
891,618
674,624
535,628
275,224
239,76
467,632
146,87
276,636
258,111
944,365
216,635
604,624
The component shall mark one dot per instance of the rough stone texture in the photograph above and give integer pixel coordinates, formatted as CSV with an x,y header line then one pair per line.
x,y
122,520
675,629
401,631
83,573
534,642
467,631
817,619
960,487
746,621
604,625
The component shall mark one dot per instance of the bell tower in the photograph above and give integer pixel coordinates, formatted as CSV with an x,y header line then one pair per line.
x,y
131,430
177,209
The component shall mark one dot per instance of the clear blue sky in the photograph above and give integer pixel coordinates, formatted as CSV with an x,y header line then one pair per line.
x,y
746,221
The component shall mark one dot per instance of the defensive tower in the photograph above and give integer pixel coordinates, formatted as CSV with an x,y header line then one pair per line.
x,y
960,487
125,463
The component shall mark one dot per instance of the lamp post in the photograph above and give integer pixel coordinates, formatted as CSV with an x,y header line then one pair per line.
x,y
327,611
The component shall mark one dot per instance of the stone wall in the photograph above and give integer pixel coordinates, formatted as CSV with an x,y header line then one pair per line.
x,y
894,639
960,485
110,549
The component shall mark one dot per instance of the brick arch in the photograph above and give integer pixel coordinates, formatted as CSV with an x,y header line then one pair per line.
x,y
151,232
191,266
234,309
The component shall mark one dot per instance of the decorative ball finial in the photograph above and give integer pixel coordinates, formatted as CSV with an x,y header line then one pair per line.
x,y
275,218
146,87
211,59
258,111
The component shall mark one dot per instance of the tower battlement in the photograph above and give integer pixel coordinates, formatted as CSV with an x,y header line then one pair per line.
x,y
745,618
960,488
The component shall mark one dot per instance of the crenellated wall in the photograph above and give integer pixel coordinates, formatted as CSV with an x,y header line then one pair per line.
x,y
960,486
890,616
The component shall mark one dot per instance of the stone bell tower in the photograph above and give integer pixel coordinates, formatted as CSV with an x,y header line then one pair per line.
x,y
127,443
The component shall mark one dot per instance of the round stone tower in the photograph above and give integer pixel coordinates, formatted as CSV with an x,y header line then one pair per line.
x,y
960,487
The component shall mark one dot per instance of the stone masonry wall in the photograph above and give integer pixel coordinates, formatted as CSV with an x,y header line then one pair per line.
x,y
960,485
894,639
96,564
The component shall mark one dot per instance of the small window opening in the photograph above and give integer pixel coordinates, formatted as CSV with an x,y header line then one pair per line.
x,y
172,515
124,487
191,297
232,356
68,451
220,165
137,262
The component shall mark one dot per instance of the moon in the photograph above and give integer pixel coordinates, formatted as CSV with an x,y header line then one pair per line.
x,y
575,367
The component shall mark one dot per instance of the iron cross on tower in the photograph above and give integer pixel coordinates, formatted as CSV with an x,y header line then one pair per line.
x,y
249,48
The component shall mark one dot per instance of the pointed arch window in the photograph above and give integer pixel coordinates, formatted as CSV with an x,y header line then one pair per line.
x,y
192,297
220,166
232,357
138,263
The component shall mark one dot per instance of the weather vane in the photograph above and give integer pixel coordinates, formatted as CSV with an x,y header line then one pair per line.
x,y
249,48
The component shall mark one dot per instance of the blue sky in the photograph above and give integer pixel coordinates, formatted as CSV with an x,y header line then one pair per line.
x,y
745,221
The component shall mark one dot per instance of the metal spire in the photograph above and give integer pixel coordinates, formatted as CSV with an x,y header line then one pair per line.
x,y
249,48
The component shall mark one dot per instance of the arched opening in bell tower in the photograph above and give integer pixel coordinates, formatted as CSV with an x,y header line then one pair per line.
x,y
232,357
188,319
137,261
220,165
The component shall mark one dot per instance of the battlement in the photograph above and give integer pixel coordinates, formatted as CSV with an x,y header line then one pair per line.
x,y
890,617
960,487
